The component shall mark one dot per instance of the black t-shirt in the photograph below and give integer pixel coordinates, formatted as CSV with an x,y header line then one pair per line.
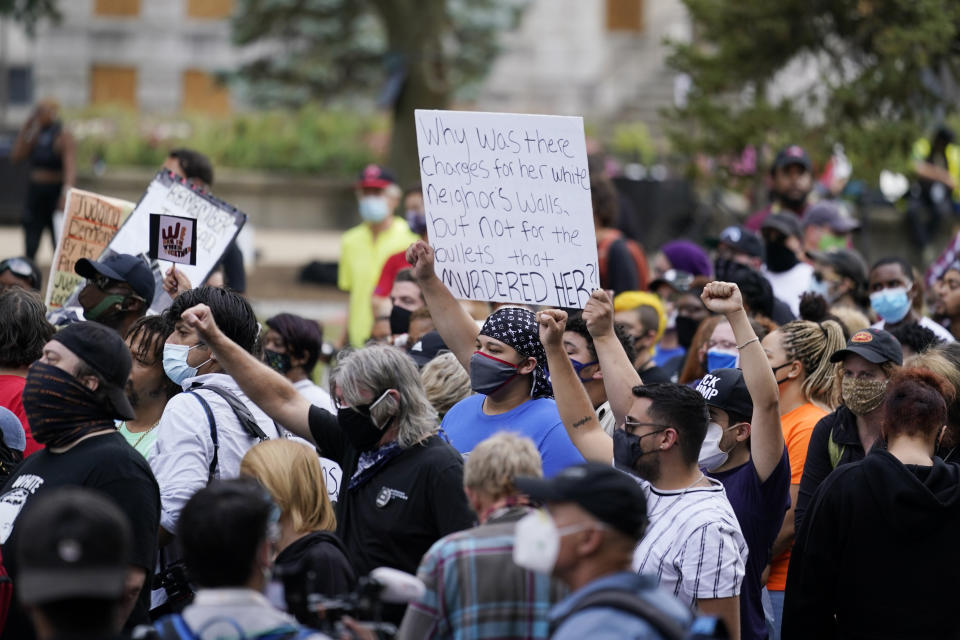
x,y
325,551
104,463
412,501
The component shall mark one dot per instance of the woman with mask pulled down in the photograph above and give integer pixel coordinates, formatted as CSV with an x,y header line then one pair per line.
x,y
798,353
402,486
508,372
863,369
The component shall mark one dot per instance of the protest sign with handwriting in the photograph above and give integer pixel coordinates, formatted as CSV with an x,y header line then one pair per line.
x,y
169,198
508,206
90,221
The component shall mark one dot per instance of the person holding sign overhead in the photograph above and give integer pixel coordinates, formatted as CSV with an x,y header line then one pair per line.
x,y
508,371
365,248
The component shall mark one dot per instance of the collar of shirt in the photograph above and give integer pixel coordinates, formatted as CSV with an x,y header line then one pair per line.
x,y
238,596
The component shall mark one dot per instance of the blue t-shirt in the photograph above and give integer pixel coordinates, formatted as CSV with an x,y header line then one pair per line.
x,y
466,425
760,508
662,356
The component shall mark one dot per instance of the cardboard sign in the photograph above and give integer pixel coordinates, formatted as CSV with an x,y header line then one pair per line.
x,y
215,224
508,206
173,238
90,222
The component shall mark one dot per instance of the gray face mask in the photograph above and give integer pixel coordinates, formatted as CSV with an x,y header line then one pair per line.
x,y
489,374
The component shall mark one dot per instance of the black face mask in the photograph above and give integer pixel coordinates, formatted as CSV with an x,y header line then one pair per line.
x,y
780,258
277,361
360,430
399,320
686,328
626,449
60,408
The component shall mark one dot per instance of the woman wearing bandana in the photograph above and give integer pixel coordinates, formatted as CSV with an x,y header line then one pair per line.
x,y
507,367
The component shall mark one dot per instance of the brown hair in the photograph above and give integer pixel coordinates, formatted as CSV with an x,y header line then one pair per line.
x,y
692,366
916,402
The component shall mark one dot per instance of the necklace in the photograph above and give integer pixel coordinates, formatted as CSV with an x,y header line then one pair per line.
x,y
678,498
143,435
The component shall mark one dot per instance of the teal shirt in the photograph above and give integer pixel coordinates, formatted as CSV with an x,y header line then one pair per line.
x,y
142,441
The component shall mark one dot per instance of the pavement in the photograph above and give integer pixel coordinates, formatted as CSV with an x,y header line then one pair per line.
x,y
272,285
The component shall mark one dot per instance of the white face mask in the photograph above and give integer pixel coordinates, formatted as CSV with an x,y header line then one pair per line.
x,y
536,541
711,455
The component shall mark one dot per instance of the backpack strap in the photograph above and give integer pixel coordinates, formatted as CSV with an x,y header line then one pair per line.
x,y
244,417
635,604
214,436
173,627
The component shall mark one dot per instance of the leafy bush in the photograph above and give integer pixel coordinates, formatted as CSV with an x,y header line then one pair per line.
x,y
309,140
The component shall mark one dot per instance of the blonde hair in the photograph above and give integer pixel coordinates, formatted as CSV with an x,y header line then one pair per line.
x,y
938,364
496,462
853,319
292,473
445,381
812,344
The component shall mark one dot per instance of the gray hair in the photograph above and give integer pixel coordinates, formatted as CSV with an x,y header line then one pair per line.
x,y
363,375
445,381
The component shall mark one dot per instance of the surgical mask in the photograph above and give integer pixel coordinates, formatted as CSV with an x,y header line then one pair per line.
x,y
671,321
862,396
358,426
711,455
399,320
891,304
580,366
820,287
417,221
489,374
175,362
722,359
277,361
686,328
536,541
780,257
373,208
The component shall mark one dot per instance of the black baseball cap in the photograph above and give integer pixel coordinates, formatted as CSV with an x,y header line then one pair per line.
x,y
874,345
846,262
427,348
122,267
72,543
786,223
741,240
677,280
611,496
106,353
726,389
793,154
828,214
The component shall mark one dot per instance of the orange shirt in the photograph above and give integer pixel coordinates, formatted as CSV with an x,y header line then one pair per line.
x,y
797,428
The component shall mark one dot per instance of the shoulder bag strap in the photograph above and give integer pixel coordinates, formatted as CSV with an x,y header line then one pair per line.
x,y
246,419
631,603
213,435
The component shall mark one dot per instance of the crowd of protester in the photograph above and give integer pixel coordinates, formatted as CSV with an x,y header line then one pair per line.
x,y
754,436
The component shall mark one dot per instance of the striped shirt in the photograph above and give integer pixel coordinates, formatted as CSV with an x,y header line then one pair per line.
x,y
693,543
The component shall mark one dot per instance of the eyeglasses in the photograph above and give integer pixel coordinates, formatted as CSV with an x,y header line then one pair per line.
x,y
633,423
360,408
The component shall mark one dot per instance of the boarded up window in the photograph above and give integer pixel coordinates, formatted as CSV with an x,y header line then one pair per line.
x,y
117,8
209,9
625,15
202,93
111,85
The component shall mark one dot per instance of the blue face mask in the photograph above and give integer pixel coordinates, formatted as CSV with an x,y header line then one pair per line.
x,y
892,305
373,208
721,359
417,222
580,366
175,362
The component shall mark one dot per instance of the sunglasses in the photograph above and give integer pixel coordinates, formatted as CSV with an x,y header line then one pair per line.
x,y
18,267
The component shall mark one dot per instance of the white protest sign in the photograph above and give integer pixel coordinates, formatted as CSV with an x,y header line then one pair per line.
x,y
508,206
217,224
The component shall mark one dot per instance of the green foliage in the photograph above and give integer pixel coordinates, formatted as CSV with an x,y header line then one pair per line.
x,y
866,73
29,12
330,49
632,142
309,140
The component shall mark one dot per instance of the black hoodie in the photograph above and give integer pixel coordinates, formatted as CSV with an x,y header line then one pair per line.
x,y
877,554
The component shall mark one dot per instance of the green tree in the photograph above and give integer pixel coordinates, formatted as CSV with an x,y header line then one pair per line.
x,y
417,53
871,74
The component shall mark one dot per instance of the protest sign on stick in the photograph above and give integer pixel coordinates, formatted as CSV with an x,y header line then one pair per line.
x,y
508,206
90,221
214,225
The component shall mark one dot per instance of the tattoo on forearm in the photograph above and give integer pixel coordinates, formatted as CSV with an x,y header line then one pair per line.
x,y
582,421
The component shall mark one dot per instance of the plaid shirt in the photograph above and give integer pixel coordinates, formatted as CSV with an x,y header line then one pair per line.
x,y
474,590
